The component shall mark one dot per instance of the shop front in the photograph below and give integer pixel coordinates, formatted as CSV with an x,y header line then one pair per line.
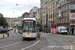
x,y
72,28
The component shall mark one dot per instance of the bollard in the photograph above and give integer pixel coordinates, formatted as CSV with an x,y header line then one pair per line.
x,y
8,34
3,35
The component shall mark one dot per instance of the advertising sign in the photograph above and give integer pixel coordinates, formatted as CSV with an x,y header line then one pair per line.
x,y
49,26
61,1
72,1
72,17
59,13
72,7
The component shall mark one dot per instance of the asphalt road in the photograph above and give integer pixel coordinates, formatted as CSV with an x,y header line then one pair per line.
x,y
15,42
46,42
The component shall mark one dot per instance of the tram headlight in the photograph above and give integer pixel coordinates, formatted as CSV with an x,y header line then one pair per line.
x,y
34,34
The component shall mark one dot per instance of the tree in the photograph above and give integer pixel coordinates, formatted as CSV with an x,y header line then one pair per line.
x,y
2,21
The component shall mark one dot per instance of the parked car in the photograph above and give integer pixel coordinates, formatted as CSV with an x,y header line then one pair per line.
x,y
20,31
62,30
8,29
3,30
11,28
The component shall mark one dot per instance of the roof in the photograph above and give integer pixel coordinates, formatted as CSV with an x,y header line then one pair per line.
x,y
29,19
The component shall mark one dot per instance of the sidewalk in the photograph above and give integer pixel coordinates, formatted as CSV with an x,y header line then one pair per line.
x,y
72,44
58,34
5,36
47,33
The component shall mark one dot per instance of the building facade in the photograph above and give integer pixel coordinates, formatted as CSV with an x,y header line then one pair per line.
x,y
58,12
14,21
20,19
48,13
52,12
37,15
64,14
42,13
11,21
33,12
26,15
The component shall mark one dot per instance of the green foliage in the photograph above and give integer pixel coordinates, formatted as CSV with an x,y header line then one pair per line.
x,y
2,21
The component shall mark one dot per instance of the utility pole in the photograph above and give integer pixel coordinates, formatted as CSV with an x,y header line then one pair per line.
x,y
46,21
40,18
56,14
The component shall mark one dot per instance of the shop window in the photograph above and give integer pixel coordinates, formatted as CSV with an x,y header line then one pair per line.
x,y
51,15
65,7
53,21
68,6
67,19
53,4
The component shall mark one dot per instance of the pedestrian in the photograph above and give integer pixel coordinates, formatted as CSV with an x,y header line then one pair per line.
x,y
7,34
14,29
38,35
38,30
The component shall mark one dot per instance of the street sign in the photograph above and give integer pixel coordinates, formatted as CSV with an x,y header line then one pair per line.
x,y
72,16
59,13
49,26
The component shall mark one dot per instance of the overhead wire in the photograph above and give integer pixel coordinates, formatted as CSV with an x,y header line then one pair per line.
x,y
30,3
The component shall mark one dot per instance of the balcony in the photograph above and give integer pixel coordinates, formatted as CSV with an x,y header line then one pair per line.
x,y
71,1
61,17
64,11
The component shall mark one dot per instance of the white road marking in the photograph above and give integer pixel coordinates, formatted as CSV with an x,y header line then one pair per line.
x,y
10,44
31,45
71,47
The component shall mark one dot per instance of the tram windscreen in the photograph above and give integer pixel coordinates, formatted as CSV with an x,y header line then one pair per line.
x,y
29,26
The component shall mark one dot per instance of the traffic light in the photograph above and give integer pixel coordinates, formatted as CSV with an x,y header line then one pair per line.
x,y
6,24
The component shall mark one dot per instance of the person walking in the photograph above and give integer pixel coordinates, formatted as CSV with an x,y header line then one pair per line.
x,y
38,35
14,29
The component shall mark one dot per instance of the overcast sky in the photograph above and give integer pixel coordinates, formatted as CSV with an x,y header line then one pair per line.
x,y
9,8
